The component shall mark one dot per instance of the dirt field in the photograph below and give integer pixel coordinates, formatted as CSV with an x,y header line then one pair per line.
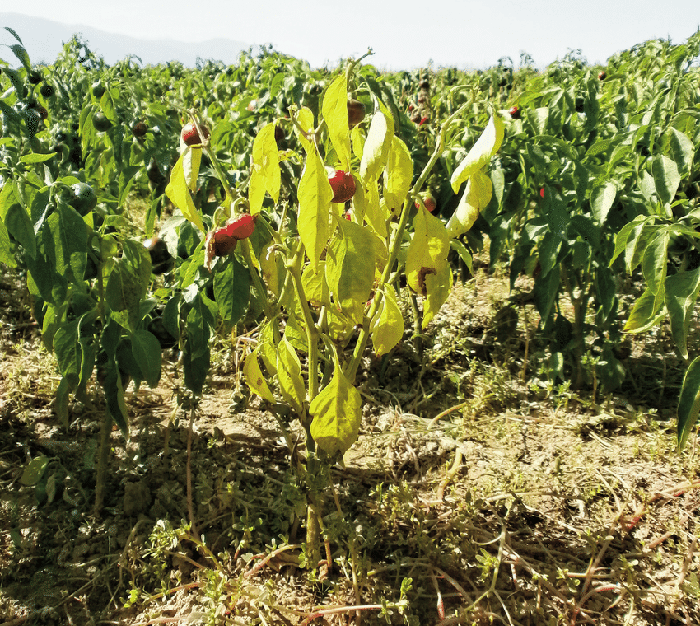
x,y
477,493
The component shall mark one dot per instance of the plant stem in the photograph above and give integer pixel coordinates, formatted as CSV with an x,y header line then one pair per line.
x,y
102,460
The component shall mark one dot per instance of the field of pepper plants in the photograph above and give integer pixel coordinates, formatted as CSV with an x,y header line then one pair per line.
x,y
284,345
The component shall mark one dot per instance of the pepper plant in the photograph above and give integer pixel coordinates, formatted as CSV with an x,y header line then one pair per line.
x,y
320,272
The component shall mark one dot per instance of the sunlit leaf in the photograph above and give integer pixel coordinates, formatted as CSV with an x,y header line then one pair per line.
x,y
289,376
335,114
337,414
265,174
254,377
315,196
388,325
398,175
477,194
479,156
179,193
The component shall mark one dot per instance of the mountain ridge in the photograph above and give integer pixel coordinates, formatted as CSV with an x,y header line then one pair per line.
x,y
44,39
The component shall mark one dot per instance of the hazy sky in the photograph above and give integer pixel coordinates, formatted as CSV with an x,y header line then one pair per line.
x,y
473,33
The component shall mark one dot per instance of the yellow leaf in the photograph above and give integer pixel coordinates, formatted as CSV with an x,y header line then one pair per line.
x,y
377,145
477,194
305,117
350,268
357,137
335,114
315,196
398,176
374,215
265,174
438,286
427,270
337,414
315,285
387,327
191,160
267,349
270,261
289,376
179,194
481,153
254,377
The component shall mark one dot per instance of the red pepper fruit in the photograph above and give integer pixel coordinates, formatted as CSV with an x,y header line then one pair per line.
x,y
423,121
225,238
515,112
190,135
343,185
542,192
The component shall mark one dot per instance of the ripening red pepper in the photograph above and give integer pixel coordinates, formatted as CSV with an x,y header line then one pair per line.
x,y
225,239
343,185
542,192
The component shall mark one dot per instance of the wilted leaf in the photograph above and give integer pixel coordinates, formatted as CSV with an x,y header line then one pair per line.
x,y
255,378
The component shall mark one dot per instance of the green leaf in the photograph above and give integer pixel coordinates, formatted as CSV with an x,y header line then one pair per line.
x,y
388,325
146,351
481,152
6,249
179,192
20,52
289,377
129,279
114,397
337,414
377,147
689,403
623,235
16,219
464,254
681,294
546,291
602,199
666,177
605,288
265,174
232,291
315,196
67,349
350,268
655,261
36,157
335,114
73,241
682,151
34,471
644,315
549,248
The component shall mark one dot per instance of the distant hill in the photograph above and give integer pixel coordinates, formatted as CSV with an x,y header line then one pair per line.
x,y
44,40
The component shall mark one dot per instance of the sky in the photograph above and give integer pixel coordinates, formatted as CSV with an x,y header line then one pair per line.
x,y
402,35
